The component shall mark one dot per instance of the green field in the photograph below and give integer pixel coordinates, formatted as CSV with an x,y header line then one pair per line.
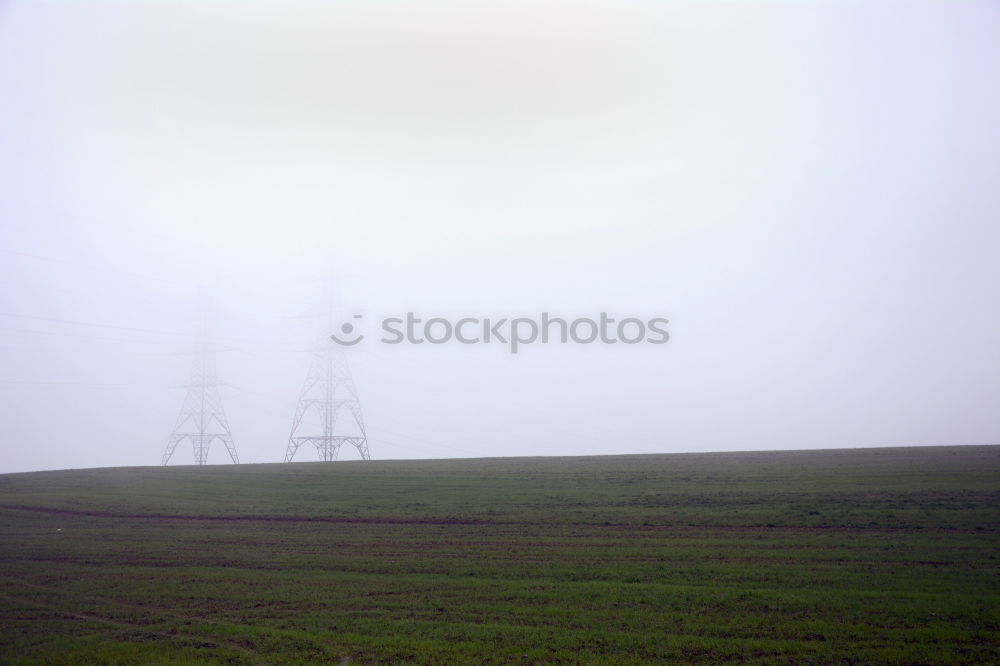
x,y
853,556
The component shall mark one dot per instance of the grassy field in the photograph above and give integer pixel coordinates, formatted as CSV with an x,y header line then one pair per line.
x,y
854,556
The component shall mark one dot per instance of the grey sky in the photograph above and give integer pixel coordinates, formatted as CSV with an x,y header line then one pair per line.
x,y
808,191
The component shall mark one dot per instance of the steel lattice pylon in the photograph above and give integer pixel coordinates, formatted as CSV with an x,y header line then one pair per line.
x,y
202,418
327,391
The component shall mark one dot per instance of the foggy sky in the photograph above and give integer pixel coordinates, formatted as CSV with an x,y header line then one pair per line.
x,y
808,191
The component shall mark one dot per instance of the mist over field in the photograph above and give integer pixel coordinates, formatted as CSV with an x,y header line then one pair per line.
x,y
806,191
593,332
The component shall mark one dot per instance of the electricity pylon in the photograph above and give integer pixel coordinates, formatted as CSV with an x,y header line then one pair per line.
x,y
327,391
202,418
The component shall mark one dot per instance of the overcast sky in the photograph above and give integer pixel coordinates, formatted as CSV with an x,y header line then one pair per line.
x,y
808,191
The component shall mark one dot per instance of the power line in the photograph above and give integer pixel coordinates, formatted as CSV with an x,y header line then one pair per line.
x,y
100,268
17,382
33,332
76,322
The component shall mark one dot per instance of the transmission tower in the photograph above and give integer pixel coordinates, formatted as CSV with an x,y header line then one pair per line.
x,y
326,393
202,418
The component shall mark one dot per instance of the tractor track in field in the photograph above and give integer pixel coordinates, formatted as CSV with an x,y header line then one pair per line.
x,y
260,519
472,522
